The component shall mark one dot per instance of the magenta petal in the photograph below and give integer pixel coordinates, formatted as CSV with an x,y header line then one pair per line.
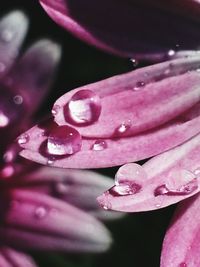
x,y
37,221
181,244
139,100
11,258
170,178
13,28
33,74
128,26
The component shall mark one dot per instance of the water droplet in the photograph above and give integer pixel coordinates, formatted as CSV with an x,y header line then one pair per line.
x,y
4,120
2,67
50,161
18,99
182,264
63,140
124,127
158,205
139,85
84,108
99,145
40,212
23,139
134,62
197,172
55,110
171,52
7,35
124,189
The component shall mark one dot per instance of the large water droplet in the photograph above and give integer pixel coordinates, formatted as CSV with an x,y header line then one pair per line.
x,y
124,189
7,35
63,140
197,172
184,183
84,108
99,145
171,53
134,62
40,212
23,139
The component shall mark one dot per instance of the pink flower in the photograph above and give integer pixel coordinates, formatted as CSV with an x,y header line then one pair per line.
x,y
140,29
40,208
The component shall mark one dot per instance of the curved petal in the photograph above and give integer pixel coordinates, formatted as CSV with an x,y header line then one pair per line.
x,y
31,220
13,28
12,258
181,244
133,25
169,178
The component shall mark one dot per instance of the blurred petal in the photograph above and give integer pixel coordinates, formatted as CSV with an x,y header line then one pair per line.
x,y
36,221
13,258
134,24
33,74
166,179
77,187
13,28
159,116
181,244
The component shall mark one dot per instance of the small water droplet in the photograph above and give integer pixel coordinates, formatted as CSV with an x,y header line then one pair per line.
x,y
18,99
139,85
197,172
99,145
171,52
23,139
134,62
124,189
2,67
124,127
182,264
84,108
40,212
63,140
7,35
4,120
50,161
55,110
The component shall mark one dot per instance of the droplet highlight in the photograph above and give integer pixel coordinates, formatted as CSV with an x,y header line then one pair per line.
x,y
84,108
99,145
40,212
139,85
124,127
55,110
63,140
23,139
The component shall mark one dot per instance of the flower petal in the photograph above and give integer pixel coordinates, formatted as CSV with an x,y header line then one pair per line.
x,y
13,28
33,74
181,244
170,178
139,100
77,187
12,258
84,19
32,220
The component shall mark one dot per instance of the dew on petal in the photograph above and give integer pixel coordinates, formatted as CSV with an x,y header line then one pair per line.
x,y
134,62
55,110
171,52
63,140
4,120
40,212
184,184
124,189
139,85
18,99
23,139
99,145
7,35
123,128
84,108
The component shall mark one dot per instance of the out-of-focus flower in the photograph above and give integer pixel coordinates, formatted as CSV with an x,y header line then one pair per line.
x,y
149,29
40,209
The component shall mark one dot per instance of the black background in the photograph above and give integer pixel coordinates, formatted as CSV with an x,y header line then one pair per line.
x,y
137,237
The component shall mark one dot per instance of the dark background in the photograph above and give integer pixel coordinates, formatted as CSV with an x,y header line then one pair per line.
x,y
137,237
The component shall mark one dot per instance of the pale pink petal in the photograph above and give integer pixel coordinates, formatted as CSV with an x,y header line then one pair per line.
x,y
126,27
169,178
36,221
13,28
77,187
15,258
181,246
